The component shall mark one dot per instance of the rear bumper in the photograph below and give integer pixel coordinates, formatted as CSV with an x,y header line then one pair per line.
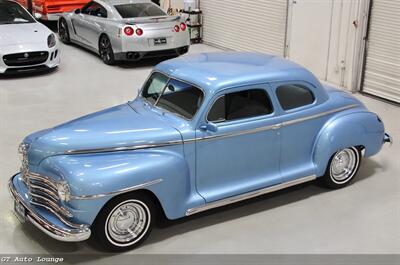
x,y
72,233
388,139
139,55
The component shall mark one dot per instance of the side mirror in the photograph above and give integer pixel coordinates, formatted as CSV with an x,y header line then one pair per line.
x,y
211,127
37,15
77,11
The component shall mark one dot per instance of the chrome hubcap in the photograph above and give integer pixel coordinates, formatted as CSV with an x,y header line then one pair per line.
x,y
128,222
343,165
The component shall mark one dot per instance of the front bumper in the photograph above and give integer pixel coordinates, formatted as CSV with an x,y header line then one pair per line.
x,y
52,61
66,233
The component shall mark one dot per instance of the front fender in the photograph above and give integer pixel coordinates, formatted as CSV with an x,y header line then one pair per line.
x,y
353,129
94,174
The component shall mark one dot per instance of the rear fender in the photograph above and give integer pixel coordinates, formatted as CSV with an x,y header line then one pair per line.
x,y
354,129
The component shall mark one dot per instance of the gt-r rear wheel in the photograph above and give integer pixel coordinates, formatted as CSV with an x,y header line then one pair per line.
x,y
342,168
125,222
106,50
63,31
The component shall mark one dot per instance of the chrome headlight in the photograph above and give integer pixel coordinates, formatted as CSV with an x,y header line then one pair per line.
x,y
63,191
51,40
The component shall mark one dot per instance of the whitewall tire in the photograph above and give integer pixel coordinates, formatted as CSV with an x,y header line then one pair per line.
x,y
342,168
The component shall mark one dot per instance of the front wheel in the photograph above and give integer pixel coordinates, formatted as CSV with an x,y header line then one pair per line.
x,y
125,222
342,168
106,51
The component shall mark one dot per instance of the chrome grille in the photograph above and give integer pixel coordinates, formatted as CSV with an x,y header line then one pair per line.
x,y
43,192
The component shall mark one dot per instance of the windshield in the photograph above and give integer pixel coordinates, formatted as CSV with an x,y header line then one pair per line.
x,y
13,13
139,10
173,95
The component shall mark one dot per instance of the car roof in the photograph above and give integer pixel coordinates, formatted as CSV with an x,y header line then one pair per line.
x,y
218,70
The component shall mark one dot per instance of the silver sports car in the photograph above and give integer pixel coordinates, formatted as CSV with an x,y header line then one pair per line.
x,y
125,30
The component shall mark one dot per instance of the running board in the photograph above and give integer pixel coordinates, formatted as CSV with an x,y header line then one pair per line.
x,y
248,195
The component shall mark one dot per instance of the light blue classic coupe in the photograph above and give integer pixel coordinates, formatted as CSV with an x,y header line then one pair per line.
x,y
205,131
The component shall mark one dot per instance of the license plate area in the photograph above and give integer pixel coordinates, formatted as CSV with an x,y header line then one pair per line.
x,y
160,41
19,211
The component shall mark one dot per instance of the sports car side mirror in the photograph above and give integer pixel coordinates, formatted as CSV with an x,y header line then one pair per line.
x,y
77,11
212,127
37,15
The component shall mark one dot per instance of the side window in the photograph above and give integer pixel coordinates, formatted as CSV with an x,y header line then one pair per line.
x,y
87,8
97,10
240,105
294,96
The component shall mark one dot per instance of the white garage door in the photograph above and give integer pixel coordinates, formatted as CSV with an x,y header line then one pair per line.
x,y
246,25
382,70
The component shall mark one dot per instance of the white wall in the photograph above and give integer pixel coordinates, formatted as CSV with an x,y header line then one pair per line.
x,y
326,37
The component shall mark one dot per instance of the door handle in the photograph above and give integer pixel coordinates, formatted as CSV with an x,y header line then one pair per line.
x,y
276,126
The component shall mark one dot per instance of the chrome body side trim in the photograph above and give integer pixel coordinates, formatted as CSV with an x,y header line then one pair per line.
x,y
76,232
122,148
121,191
248,195
233,134
286,123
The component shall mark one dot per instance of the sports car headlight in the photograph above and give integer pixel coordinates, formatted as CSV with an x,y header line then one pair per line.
x,y
51,40
63,191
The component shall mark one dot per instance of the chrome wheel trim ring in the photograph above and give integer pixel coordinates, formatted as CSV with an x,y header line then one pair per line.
x,y
344,165
127,223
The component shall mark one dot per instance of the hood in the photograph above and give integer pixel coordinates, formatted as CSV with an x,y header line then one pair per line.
x,y
115,127
14,34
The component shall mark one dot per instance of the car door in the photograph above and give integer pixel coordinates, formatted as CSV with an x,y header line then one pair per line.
x,y
89,22
301,124
237,144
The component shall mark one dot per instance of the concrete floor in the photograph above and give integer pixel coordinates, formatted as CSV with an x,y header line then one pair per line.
x,y
362,218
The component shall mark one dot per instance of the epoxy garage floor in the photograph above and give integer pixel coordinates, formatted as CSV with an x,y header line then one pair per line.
x,y
362,218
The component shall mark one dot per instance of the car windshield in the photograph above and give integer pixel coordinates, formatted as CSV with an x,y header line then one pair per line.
x,y
139,10
173,95
13,13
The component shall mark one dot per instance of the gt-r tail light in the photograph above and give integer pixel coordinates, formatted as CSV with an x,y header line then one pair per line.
x,y
183,26
129,31
176,28
139,32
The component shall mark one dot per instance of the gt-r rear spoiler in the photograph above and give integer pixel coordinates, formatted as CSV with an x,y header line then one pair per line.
x,y
142,20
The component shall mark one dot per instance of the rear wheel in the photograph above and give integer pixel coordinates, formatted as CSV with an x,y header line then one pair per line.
x,y
342,168
63,31
125,222
106,50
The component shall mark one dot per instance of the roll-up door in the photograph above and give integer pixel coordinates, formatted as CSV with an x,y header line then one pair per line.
x,y
382,69
246,25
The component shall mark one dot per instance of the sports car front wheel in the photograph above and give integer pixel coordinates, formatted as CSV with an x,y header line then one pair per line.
x,y
342,168
106,50
125,222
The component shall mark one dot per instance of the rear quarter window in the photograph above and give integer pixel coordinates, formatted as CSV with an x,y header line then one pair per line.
x,y
139,10
294,96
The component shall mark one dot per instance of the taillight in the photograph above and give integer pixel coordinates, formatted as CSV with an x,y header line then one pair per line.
x,y
129,31
183,26
176,28
139,32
